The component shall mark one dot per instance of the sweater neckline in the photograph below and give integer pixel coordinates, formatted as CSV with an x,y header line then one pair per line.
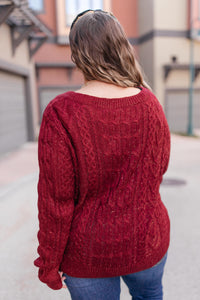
x,y
112,102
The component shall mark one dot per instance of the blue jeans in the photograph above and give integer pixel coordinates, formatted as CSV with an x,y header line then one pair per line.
x,y
146,284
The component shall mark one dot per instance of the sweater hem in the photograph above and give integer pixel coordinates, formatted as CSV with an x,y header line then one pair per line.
x,y
95,272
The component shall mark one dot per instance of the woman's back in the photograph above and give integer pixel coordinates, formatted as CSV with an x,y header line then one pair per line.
x,y
119,149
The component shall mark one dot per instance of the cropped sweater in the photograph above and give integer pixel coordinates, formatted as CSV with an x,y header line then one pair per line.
x,y
101,164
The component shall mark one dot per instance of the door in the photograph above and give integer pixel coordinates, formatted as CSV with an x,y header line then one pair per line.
x,y
13,126
176,110
46,94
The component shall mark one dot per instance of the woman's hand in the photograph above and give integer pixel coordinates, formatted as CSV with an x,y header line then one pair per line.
x,y
62,278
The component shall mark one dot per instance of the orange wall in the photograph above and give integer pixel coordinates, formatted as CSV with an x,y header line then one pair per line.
x,y
126,13
49,16
195,14
53,53
59,77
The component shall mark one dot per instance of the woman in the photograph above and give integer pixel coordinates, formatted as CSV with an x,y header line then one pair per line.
x,y
102,153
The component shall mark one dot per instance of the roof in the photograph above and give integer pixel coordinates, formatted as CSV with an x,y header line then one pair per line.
x,y
23,20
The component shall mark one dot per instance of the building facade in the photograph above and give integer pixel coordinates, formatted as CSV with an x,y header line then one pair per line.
x,y
19,30
167,53
31,75
160,33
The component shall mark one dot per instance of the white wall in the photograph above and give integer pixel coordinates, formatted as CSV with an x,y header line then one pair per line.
x,y
170,14
164,49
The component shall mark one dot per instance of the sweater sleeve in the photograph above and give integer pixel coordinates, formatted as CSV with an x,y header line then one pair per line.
x,y
55,197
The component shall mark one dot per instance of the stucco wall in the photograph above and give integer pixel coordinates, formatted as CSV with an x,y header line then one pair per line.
x,y
170,14
164,49
21,56
127,14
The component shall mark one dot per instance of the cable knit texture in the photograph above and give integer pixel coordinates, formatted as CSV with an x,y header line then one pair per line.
x,y
101,163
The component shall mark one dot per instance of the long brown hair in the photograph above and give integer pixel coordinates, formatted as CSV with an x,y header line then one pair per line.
x,y
101,50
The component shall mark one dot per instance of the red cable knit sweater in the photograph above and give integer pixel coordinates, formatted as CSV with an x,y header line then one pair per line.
x,y
101,164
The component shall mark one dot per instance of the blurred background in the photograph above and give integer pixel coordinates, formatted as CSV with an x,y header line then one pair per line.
x,y
35,66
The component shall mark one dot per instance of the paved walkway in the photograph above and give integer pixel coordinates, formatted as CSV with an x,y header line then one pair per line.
x,y
18,167
18,224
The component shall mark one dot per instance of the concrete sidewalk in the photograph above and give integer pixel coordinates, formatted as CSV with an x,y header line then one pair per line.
x,y
18,222
182,278
17,167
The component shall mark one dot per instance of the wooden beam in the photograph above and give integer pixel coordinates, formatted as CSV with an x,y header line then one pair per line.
x,y
23,32
170,67
5,11
39,42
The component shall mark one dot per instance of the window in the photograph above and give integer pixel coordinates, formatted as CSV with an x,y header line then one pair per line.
x,y
36,5
66,11
76,6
